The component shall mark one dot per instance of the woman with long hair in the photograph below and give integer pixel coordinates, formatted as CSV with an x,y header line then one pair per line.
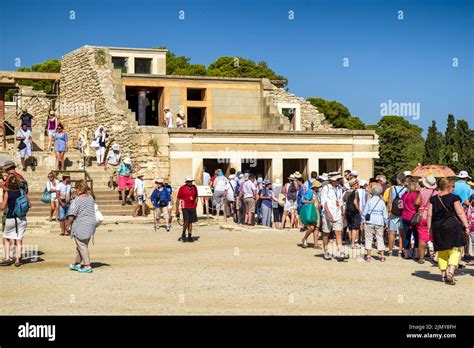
x,y
447,224
61,146
15,227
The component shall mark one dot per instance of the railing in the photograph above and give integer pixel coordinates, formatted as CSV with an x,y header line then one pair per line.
x,y
48,101
87,177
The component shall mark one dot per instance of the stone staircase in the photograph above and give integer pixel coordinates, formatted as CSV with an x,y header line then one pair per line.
x,y
107,199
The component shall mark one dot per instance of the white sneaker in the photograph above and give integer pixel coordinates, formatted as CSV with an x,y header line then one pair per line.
x,y
327,256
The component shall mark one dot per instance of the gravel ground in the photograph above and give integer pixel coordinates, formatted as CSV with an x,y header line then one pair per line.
x,y
226,271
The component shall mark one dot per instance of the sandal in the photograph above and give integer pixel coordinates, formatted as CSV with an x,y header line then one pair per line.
x,y
304,244
368,258
450,278
382,259
421,261
316,246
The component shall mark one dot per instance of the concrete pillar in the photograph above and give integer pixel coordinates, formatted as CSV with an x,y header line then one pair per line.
x,y
154,66
313,164
236,163
131,65
277,169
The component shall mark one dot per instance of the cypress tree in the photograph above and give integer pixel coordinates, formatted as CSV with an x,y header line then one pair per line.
x,y
451,145
431,154
465,144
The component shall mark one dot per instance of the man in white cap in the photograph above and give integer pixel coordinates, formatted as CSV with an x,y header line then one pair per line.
x,y
125,181
187,198
140,194
111,162
161,198
169,120
462,188
331,201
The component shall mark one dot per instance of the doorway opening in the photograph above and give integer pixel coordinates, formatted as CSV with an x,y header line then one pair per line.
x,y
146,103
211,164
197,117
295,165
259,167
330,165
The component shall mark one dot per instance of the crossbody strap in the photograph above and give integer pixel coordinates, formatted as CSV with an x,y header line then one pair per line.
x,y
375,205
449,211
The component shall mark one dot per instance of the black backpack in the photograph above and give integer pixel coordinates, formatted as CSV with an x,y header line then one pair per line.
x,y
397,204
350,206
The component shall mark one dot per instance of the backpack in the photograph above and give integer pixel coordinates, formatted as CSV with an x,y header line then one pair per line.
x,y
292,193
21,205
350,206
397,204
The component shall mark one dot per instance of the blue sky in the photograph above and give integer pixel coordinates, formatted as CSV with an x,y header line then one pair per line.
x,y
409,60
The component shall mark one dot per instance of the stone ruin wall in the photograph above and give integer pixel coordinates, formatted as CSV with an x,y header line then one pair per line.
x,y
88,99
311,118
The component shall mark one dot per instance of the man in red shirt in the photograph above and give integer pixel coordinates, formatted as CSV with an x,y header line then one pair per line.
x,y
188,195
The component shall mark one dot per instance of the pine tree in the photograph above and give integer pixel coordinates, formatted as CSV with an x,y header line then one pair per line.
x,y
431,154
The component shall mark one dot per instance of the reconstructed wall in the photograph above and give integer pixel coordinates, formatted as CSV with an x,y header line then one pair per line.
x,y
154,165
85,86
310,117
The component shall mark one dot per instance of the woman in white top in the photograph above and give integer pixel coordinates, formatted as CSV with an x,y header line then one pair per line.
x,y
51,186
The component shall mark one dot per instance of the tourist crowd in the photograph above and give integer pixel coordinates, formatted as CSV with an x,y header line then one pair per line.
x,y
432,218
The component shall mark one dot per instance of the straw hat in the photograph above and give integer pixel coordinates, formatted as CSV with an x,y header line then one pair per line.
x,y
316,184
159,181
140,174
291,177
189,178
297,174
116,147
127,160
353,182
429,182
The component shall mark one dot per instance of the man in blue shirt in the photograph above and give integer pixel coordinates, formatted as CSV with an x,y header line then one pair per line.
x,y
161,198
462,188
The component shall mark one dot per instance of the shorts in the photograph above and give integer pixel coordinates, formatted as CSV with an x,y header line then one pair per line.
x,y
189,215
63,212
26,152
353,221
164,211
329,226
423,232
290,205
277,214
124,182
141,199
394,223
51,132
249,204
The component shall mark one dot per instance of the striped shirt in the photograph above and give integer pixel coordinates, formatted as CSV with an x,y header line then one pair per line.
x,y
83,209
